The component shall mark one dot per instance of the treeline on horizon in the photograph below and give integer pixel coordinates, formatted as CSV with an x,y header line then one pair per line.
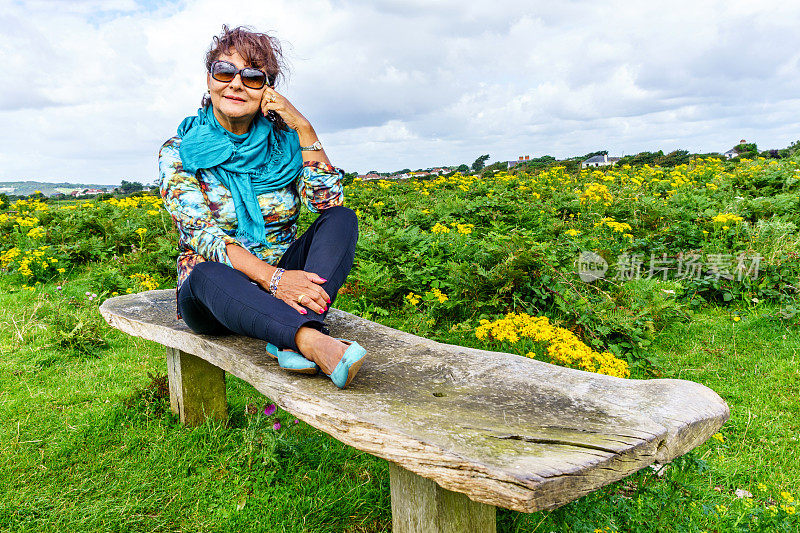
x,y
659,158
572,164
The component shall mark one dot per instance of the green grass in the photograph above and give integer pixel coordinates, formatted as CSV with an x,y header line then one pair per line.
x,y
87,443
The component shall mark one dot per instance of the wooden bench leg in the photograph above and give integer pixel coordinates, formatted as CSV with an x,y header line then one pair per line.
x,y
196,388
419,505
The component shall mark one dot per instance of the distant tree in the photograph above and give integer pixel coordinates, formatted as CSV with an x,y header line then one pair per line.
x,y
404,171
3,200
673,159
128,187
642,158
494,167
537,163
462,168
479,163
745,147
746,151
592,154
38,195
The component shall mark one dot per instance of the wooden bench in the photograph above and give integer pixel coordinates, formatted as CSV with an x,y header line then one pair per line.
x,y
465,430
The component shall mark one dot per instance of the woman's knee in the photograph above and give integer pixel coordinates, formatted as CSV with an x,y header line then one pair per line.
x,y
343,215
209,269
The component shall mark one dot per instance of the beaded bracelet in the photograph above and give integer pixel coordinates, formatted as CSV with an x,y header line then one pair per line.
x,y
273,282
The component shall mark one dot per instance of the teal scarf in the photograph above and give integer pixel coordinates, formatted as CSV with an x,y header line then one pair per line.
x,y
262,160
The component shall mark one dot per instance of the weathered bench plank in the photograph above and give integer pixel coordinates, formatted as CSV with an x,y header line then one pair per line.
x,y
504,430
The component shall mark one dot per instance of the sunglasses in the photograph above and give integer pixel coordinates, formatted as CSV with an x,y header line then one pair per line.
x,y
225,71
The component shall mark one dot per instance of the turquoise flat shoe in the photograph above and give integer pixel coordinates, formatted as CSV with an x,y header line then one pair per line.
x,y
350,364
292,361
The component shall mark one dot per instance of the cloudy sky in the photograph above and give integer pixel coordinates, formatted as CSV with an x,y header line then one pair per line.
x,y
91,88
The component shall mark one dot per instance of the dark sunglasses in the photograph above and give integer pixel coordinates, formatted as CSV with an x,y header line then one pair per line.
x,y
225,71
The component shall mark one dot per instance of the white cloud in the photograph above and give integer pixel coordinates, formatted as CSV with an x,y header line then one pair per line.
x,y
94,87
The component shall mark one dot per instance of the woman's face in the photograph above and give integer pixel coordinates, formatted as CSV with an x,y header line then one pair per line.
x,y
233,100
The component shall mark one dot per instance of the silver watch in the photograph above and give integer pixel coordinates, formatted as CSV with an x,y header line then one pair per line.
x,y
316,146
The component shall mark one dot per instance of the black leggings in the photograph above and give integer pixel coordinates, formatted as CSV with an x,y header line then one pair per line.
x,y
217,300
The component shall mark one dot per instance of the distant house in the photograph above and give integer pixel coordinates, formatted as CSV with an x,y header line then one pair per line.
x,y
86,192
730,154
370,176
600,161
522,159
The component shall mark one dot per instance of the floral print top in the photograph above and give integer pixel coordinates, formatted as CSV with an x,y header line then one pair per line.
x,y
203,210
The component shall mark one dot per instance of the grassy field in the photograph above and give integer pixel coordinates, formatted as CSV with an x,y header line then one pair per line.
x,y
87,442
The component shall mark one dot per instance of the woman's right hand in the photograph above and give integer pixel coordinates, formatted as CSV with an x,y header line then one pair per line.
x,y
297,283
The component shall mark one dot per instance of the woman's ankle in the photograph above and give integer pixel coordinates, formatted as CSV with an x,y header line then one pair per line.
x,y
320,348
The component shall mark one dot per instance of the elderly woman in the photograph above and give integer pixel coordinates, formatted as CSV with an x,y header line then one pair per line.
x,y
233,180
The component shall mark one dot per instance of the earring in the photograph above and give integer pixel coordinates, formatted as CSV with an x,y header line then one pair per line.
x,y
206,101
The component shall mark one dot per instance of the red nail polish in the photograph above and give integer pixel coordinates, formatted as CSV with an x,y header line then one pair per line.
x,y
329,300
303,311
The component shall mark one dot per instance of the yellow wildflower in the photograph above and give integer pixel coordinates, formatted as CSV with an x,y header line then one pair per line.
x,y
725,218
37,232
412,298
439,295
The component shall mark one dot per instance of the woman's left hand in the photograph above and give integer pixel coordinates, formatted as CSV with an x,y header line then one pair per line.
x,y
272,101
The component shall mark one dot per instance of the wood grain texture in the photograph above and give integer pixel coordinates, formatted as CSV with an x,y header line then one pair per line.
x,y
420,505
196,388
503,429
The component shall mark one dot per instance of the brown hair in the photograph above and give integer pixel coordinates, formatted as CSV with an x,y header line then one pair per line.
x,y
258,50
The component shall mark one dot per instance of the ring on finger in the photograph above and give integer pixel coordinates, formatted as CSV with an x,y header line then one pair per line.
x,y
300,299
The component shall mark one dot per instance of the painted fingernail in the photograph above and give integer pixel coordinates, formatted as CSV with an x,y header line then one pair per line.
x,y
329,300
323,279
303,311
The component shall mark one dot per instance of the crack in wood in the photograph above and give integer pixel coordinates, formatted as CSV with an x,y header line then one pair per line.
x,y
539,440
